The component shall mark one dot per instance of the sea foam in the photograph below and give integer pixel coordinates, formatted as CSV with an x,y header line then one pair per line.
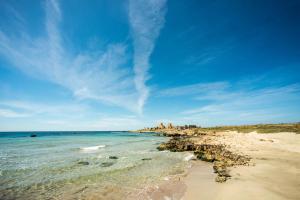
x,y
190,157
92,148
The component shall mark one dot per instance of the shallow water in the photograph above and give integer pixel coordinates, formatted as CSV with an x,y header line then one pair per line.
x,y
72,165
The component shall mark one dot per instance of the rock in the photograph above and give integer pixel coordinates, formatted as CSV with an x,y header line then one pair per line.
x,y
33,135
220,179
162,147
216,153
177,144
83,163
207,157
146,158
113,157
218,166
106,164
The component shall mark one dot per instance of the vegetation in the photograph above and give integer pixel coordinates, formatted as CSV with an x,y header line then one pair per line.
x,y
260,128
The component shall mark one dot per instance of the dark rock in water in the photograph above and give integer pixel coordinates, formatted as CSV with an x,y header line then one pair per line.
x,y
83,163
113,157
33,135
106,164
146,158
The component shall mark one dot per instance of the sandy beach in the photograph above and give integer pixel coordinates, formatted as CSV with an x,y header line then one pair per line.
x,y
273,173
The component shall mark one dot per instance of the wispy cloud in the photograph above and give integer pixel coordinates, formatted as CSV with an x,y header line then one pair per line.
x,y
202,59
7,113
17,109
230,106
210,53
146,19
115,123
104,76
122,122
193,89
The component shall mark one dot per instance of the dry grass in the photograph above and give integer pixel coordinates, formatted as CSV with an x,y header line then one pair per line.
x,y
260,128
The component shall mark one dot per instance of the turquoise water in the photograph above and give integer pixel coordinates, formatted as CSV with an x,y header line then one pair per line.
x,y
72,165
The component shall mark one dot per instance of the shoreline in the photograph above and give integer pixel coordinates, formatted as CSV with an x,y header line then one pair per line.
x,y
272,173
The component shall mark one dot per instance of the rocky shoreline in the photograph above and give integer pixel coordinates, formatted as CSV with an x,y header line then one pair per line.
x,y
219,155
262,161
208,144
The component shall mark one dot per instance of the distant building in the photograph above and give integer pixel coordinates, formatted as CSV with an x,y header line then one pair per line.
x,y
185,127
170,126
161,126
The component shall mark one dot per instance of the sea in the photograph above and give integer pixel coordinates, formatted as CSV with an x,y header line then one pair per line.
x,y
86,165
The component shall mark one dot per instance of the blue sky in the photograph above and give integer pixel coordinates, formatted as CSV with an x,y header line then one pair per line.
x,y
118,65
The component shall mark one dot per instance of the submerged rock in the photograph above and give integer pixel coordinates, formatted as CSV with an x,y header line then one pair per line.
x,y
107,164
83,163
146,158
113,157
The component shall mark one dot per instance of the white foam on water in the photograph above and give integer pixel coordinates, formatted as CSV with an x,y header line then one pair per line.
x,y
92,148
189,157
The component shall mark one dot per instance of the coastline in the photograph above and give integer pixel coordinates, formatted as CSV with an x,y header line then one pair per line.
x,y
249,166
273,175
273,172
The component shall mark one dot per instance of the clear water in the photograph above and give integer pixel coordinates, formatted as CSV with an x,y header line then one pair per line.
x,y
48,166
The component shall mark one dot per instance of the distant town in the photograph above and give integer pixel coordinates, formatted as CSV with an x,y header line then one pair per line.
x,y
170,126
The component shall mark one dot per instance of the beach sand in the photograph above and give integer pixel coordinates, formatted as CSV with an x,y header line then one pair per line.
x,y
274,171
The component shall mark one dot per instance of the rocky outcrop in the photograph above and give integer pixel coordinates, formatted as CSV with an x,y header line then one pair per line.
x,y
177,144
217,154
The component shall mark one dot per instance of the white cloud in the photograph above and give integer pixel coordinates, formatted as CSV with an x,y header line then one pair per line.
x,y
115,123
102,76
193,89
270,104
146,19
14,109
7,113
103,123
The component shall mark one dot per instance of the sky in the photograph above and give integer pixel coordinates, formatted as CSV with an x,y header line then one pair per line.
x,y
123,65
